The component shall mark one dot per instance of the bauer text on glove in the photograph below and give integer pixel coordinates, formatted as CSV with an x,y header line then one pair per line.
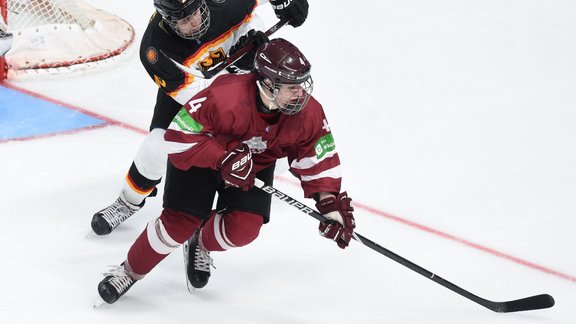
x,y
236,167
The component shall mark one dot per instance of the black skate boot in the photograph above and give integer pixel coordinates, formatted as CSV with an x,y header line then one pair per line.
x,y
198,263
115,284
106,220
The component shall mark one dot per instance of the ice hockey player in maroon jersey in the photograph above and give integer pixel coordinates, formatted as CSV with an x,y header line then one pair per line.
x,y
224,137
183,34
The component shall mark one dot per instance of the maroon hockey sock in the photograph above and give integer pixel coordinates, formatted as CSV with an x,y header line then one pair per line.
x,y
160,238
232,229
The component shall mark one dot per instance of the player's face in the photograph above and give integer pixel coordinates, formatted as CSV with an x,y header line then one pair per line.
x,y
291,98
290,94
191,24
195,25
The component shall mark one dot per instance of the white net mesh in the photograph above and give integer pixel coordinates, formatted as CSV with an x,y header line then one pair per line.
x,y
57,36
32,13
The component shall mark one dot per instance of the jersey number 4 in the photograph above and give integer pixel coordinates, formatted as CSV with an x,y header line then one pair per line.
x,y
195,104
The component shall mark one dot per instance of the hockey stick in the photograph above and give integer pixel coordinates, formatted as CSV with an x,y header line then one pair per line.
x,y
210,73
524,304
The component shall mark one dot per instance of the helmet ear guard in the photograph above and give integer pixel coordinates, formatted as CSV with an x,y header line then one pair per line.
x,y
263,86
266,85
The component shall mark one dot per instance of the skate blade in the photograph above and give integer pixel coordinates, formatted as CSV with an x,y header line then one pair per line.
x,y
90,234
98,302
191,289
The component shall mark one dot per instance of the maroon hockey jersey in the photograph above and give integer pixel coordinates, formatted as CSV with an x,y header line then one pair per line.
x,y
227,113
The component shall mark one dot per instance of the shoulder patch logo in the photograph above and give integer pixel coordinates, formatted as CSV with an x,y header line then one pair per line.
x,y
324,145
186,123
152,55
256,144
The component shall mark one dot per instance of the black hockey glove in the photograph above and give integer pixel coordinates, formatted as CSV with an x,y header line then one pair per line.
x,y
295,11
246,62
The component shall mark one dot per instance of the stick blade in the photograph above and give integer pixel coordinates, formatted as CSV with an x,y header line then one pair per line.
x,y
524,304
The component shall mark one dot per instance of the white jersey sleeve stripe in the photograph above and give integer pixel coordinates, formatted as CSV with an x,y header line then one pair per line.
x,y
307,163
173,147
335,173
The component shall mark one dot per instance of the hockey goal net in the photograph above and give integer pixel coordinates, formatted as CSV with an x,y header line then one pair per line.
x,y
58,36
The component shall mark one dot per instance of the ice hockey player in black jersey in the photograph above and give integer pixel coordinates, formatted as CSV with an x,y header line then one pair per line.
x,y
184,34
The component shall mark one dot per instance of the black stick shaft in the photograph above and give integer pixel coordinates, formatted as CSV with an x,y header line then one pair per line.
x,y
524,304
231,59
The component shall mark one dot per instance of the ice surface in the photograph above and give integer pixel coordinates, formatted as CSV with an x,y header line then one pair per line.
x,y
457,117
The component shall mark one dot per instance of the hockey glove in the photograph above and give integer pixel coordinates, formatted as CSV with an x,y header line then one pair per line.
x,y
246,62
236,167
295,11
340,220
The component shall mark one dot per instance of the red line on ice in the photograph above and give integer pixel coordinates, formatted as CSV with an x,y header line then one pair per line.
x,y
451,237
358,205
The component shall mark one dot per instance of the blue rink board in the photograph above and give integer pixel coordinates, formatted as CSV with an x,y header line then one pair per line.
x,y
23,116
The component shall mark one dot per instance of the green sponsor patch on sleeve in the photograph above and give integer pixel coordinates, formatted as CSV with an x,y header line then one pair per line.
x,y
324,145
186,122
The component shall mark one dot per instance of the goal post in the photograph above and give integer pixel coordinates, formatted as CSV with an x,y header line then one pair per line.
x,y
58,36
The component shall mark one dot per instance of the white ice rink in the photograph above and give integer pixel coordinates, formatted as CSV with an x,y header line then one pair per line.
x,y
456,117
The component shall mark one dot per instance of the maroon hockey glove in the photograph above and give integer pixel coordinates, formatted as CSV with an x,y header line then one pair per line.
x,y
295,11
236,167
340,224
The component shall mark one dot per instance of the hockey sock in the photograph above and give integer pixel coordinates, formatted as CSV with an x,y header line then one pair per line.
x,y
231,229
148,168
162,236
137,187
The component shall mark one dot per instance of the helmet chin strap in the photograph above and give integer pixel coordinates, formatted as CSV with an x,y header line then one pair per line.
x,y
272,105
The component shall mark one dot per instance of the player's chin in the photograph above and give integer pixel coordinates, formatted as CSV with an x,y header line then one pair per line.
x,y
291,103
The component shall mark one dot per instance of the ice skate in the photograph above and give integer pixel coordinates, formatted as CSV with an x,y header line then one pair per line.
x,y
107,219
198,263
115,284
